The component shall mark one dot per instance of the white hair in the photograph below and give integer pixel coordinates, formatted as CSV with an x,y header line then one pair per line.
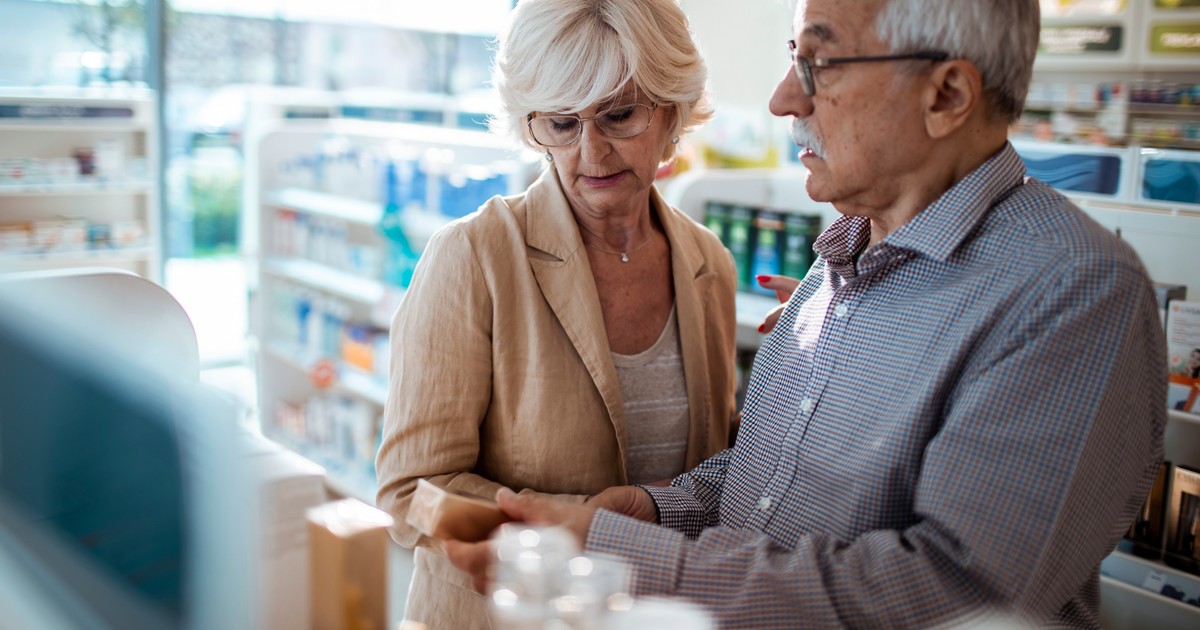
x,y
999,36
567,55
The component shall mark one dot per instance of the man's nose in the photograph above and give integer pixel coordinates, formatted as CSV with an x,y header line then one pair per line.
x,y
789,98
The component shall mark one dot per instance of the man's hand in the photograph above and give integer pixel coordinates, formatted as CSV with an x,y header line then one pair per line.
x,y
628,500
476,558
783,286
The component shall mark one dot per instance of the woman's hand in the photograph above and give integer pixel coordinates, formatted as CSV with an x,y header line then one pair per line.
x,y
783,286
476,558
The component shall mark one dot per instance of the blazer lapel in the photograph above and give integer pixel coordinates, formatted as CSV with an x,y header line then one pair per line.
x,y
691,278
562,271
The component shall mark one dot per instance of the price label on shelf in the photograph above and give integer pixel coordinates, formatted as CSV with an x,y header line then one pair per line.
x,y
1154,581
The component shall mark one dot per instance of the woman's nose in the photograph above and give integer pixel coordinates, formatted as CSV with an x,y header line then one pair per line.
x,y
593,144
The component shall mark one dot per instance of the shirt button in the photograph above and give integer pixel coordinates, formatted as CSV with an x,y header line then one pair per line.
x,y
841,310
807,405
764,503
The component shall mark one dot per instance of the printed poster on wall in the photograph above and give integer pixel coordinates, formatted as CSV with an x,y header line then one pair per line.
x,y
1171,5
1175,39
1083,8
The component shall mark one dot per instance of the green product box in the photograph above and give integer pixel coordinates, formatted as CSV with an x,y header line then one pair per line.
x,y
767,257
740,218
716,219
800,231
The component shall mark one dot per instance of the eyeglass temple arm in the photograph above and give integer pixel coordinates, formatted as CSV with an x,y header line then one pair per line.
x,y
833,61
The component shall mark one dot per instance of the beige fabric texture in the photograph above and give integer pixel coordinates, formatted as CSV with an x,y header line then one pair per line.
x,y
501,372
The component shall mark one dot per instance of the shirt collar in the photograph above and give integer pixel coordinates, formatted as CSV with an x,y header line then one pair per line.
x,y
938,230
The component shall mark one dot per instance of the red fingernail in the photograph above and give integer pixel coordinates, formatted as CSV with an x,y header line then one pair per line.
x,y
762,278
762,327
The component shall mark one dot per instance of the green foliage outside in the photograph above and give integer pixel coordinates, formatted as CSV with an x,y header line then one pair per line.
x,y
216,199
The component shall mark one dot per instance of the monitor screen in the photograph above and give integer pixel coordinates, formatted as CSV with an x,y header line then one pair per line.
x,y
111,506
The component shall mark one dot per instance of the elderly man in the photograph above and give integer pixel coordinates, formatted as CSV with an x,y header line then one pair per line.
x,y
960,408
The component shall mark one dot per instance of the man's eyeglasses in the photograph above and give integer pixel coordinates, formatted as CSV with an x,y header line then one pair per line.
x,y
622,121
804,66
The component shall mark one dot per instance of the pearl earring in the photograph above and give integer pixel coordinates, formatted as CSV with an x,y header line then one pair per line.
x,y
675,140
549,158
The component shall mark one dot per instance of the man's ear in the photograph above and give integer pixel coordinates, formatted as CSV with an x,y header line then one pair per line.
x,y
955,92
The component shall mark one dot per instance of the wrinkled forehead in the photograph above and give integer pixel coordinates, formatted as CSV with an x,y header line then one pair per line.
x,y
834,21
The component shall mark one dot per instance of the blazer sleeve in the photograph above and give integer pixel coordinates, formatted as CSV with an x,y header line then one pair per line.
x,y
439,382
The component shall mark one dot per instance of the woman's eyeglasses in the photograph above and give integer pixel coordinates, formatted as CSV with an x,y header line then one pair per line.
x,y
622,121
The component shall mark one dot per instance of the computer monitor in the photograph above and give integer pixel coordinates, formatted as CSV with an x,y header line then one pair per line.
x,y
123,502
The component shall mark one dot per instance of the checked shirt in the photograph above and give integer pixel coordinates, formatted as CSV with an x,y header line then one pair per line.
x,y
962,419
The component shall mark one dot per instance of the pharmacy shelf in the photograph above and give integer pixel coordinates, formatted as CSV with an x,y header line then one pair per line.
x,y
74,126
1182,417
47,126
1128,577
350,380
333,281
78,188
1131,587
1125,606
81,257
326,205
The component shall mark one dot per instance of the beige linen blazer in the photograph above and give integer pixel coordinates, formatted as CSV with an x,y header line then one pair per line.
x,y
501,373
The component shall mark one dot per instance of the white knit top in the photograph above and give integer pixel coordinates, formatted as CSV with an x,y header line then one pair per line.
x,y
656,408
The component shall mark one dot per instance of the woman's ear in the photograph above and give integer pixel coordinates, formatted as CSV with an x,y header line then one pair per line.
x,y
955,93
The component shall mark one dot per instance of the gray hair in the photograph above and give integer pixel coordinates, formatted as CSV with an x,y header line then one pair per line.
x,y
999,36
567,55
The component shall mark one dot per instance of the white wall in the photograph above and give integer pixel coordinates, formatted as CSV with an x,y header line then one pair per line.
x,y
744,44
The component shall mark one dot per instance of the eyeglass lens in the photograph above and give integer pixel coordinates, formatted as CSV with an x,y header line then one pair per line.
x,y
801,67
625,121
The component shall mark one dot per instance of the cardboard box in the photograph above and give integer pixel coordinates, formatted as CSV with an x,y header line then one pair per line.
x,y
445,514
348,585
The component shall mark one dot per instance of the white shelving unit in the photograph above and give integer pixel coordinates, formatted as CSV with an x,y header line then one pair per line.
x,y
319,243
1130,586
77,180
1120,73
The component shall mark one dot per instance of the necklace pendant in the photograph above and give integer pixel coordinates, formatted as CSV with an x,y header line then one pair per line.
x,y
624,257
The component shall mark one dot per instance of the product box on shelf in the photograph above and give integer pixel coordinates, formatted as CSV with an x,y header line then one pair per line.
x,y
1167,292
60,235
1145,537
16,238
1183,521
763,240
1183,356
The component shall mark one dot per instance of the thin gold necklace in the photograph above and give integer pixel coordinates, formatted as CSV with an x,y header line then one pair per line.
x,y
624,254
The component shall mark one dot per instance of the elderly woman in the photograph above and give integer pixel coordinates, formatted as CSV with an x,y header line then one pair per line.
x,y
579,335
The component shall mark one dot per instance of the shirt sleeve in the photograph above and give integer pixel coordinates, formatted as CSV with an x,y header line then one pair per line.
x,y
692,501
1052,434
